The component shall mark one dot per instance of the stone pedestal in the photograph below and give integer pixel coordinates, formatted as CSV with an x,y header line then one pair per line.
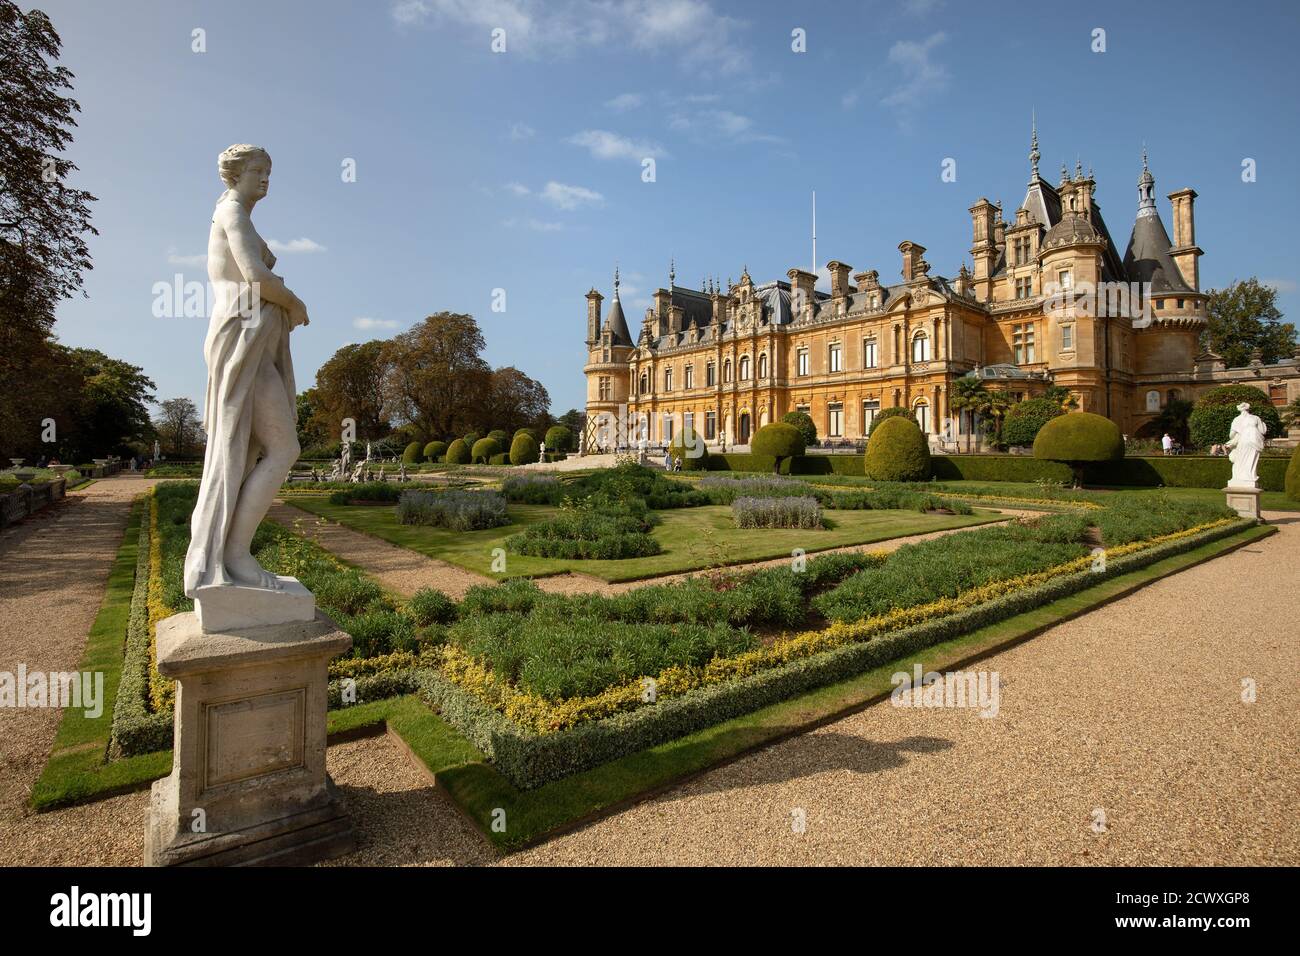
x,y
1244,501
248,784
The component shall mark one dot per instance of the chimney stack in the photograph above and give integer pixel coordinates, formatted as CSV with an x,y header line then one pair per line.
x,y
1185,253
911,259
839,279
593,316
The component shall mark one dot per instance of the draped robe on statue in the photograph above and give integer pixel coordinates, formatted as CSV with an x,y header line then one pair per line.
x,y
243,334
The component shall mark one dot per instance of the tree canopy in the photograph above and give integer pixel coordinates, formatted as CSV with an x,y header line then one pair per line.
x,y
1244,317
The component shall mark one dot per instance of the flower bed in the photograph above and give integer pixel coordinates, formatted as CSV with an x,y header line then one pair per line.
x,y
595,528
786,512
457,510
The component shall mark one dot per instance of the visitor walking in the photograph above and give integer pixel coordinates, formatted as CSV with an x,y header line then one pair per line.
x,y
1167,444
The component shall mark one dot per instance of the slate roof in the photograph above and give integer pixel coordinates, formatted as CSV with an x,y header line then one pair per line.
x,y
617,324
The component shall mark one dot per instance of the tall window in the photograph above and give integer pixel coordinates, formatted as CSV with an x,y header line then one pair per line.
x,y
833,358
920,347
922,412
1153,401
762,365
801,358
689,377
744,368
710,375
835,420
668,428
1065,279
1022,343
603,388
1024,287
1067,338
668,380
726,370
868,353
645,383
870,408
710,426
1022,247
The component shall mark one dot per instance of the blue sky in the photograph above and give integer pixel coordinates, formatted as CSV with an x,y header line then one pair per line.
x,y
522,170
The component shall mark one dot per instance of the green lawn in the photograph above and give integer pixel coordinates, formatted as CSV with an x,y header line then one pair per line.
x,y
692,538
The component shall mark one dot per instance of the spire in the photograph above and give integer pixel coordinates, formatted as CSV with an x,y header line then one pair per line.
x,y
1034,155
672,274
1078,168
1065,174
1146,190
616,280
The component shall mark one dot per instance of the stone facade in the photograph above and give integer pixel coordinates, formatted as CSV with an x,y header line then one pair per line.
x,y
1049,300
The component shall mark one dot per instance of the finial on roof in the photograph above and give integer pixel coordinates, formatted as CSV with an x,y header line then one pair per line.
x,y
1144,154
1065,173
672,273
1034,155
1078,168
616,280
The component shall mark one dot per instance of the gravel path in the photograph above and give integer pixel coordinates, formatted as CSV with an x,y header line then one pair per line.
x,y
53,569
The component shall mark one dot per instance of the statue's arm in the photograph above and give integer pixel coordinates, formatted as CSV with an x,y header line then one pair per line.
x,y
246,248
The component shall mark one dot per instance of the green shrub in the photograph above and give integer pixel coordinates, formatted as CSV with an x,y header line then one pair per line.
x,y
897,451
454,509
594,529
411,454
435,450
688,448
1079,438
501,436
777,441
885,414
471,439
524,449
458,452
559,438
532,489
784,512
367,491
1292,483
802,421
1215,410
1026,418
428,606
501,458
484,449
378,632
530,432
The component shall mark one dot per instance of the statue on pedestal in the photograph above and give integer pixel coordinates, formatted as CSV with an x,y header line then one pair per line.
x,y
250,412
1245,444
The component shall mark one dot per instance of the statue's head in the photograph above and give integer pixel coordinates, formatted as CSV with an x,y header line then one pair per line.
x,y
1243,407
246,171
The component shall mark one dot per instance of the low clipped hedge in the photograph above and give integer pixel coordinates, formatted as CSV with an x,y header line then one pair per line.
x,y
529,760
1291,481
897,451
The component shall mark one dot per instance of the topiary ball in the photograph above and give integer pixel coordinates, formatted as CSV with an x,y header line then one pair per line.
x,y
501,436
435,450
471,439
897,451
1291,485
1079,437
778,441
559,438
688,448
894,411
483,450
807,427
524,450
458,453
411,453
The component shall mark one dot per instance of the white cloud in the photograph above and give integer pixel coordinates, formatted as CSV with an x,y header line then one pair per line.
x,y
1281,285
519,189
606,145
521,131
294,245
367,324
692,31
536,225
922,77
569,197
624,102
175,260
734,127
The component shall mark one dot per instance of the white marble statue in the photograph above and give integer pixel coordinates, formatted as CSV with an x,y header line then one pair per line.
x,y
250,412
1245,445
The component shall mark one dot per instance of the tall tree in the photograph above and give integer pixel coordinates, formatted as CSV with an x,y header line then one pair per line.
x,y
110,415
969,394
351,385
437,381
1245,317
178,426
42,220
515,401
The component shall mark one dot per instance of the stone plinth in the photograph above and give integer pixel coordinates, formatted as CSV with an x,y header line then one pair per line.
x,y
248,784
233,607
1244,501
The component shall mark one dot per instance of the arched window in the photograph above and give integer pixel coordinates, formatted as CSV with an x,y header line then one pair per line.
x,y
921,411
920,347
744,368
762,365
645,383
1153,401
726,370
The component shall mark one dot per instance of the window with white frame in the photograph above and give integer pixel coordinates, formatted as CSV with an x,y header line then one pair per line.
x,y
1067,338
762,365
835,420
710,375
668,380
920,347
868,353
1022,343
801,360
744,368
689,377
833,362
921,410
870,409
